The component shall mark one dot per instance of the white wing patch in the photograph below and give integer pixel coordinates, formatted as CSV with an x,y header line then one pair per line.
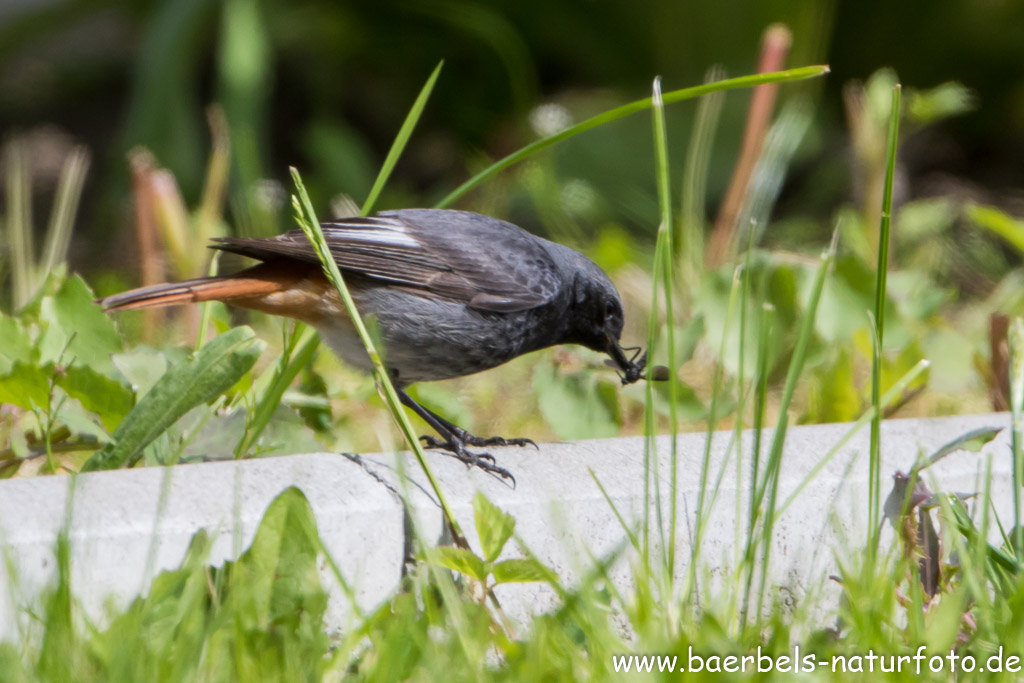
x,y
380,232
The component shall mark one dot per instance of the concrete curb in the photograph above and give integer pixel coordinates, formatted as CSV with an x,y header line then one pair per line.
x,y
127,525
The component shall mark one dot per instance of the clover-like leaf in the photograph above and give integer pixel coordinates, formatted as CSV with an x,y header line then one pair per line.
x,y
493,525
458,560
520,571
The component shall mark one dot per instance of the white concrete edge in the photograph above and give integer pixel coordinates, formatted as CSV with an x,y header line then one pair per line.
x,y
127,525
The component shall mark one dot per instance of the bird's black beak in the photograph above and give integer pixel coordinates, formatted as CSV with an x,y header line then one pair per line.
x,y
632,368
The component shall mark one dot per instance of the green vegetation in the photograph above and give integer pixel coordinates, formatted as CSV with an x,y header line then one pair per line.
x,y
758,334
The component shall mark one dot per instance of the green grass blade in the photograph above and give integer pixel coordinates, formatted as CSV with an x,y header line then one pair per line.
x,y
1016,411
690,248
666,233
65,207
891,396
633,540
651,469
774,464
297,355
206,310
307,219
404,133
625,110
20,258
881,276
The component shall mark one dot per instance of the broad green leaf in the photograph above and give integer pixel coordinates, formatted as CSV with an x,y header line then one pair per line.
x,y
200,379
77,328
81,424
972,441
26,385
276,580
493,525
15,344
458,560
520,571
106,397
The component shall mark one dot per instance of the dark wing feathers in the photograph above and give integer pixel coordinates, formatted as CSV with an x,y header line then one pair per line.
x,y
486,263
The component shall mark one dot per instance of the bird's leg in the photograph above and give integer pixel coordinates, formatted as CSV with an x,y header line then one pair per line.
x,y
470,439
454,439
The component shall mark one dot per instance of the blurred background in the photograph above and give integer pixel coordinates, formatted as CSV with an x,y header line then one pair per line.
x,y
207,103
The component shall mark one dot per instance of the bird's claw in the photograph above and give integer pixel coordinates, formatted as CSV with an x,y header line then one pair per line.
x,y
498,441
485,461
468,439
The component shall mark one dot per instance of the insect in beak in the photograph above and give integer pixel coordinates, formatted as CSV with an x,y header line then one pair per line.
x,y
632,368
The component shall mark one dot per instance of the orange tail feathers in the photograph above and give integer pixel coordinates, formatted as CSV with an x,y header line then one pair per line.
x,y
191,291
294,290
253,283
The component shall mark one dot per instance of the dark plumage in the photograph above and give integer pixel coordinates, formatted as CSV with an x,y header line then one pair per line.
x,y
453,293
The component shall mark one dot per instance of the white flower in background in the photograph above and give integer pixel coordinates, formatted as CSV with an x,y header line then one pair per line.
x,y
578,197
269,195
548,119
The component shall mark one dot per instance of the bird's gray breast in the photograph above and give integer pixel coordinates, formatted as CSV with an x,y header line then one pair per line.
x,y
429,338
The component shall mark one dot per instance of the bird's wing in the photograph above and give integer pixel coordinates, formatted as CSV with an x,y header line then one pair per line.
x,y
481,261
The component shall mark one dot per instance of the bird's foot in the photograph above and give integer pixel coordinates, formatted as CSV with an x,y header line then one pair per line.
x,y
457,447
478,441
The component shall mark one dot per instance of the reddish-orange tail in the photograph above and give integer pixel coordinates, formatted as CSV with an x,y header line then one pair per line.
x,y
254,283
295,290
191,291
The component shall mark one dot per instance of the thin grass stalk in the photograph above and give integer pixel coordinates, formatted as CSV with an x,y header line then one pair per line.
x,y
716,392
796,364
314,233
206,310
743,394
875,447
668,263
218,169
625,110
404,133
705,466
1016,339
881,276
760,402
290,365
890,397
651,468
19,224
633,540
65,207
977,558
297,353
695,180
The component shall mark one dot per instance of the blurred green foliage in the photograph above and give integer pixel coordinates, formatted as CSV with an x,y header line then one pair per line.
x,y
323,85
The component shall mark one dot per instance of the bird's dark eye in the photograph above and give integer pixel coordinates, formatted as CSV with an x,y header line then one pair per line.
x,y
610,309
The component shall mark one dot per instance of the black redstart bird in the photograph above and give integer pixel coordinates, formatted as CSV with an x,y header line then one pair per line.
x,y
453,293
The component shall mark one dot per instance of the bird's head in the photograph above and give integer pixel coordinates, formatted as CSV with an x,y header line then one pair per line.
x,y
597,319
